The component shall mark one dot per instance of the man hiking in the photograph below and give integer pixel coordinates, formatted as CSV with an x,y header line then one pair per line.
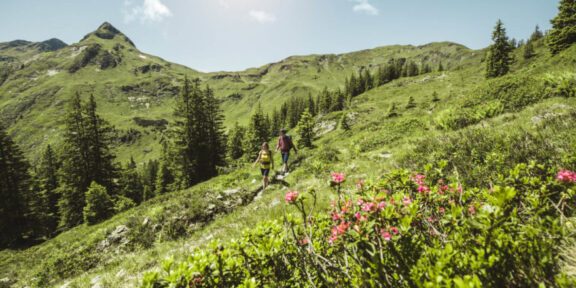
x,y
285,145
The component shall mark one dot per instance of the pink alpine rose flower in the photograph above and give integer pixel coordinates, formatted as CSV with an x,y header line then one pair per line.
x,y
441,211
566,176
291,196
382,205
369,207
386,235
338,177
471,209
407,201
394,230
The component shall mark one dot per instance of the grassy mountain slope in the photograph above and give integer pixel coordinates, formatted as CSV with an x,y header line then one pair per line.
x,y
135,91
533,120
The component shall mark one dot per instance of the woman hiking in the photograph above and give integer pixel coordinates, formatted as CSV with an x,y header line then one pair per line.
x,y
285,145
266,160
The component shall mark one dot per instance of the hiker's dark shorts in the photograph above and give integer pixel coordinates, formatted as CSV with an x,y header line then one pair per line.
x,y
285,157
265,172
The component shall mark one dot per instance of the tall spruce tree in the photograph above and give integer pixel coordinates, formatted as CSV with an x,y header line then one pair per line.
x,y
130,182
498,60
528,50
236,141
47,191
306,129
86,158
537,34
14,187
563,33
198,145
256,134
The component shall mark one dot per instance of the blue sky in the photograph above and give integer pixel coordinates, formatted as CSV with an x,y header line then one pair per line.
x,y
215,35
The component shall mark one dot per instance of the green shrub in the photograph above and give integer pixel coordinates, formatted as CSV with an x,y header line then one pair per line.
x,y
405,230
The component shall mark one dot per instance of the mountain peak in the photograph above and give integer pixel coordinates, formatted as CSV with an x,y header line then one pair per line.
x,y
108,32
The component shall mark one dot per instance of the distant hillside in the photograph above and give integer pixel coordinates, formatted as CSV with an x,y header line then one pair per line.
x,y
135,90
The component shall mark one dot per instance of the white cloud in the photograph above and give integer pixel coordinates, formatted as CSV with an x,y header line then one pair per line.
x,y
262,16
149,10
363,6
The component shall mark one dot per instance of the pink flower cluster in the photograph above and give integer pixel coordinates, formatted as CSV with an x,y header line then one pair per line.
x,y
291,196
338,230
338,177
387,235
566,176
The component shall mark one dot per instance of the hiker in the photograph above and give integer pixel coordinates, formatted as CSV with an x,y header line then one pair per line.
x,y
285,144
266,160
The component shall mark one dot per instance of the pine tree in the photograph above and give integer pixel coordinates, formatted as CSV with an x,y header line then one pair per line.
x,y
130,183
14,184
256,134
311,105
325,100
216,136
235,142
86,158
536,35
47,191
344,125
338,101
98,204
306,129
498,60
440,67
528,50
411,103
149,174
563,32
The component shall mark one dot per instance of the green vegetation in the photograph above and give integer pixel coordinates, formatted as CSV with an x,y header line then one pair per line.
x,y
496,205
498,59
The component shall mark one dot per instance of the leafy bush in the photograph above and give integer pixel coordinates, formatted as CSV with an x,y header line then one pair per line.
x,y
405,230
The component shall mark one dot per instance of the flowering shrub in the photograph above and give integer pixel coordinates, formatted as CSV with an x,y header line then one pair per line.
x,y
566,176
404,230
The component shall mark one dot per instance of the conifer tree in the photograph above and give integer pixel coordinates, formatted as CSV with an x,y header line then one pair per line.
x,y
528,50
306,129
47,191
150,172
215,135
563,33
536,35
86,158
256,134
338,102
14,184
130,183
498,59
98,204
236,141
310,105
325,99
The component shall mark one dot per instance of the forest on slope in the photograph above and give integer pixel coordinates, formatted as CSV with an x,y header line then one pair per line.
x,y
452,124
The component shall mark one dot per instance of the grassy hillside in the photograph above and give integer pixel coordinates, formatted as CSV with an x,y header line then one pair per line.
x,y
481,128
135,91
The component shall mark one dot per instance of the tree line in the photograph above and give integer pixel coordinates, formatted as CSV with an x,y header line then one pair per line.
x,y
81,182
